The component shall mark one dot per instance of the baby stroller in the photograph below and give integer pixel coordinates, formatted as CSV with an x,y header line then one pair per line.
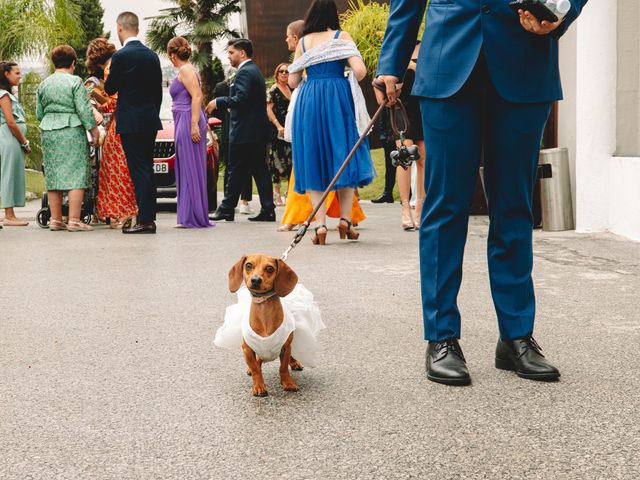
x,y
89,203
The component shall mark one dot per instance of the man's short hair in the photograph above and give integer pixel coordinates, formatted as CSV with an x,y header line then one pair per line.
x,y
296,28
243,44
128,21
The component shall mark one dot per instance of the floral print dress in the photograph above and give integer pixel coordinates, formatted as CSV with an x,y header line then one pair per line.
x,y
279,159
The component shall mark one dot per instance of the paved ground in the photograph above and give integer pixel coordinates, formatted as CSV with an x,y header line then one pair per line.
x,y
107,368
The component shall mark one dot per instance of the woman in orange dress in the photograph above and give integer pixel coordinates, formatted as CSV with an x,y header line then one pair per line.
x,y
299,207
116,195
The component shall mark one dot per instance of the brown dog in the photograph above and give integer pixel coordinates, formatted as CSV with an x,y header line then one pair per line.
x,y
267,279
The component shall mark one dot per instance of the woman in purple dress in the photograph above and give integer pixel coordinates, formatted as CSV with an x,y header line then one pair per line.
x,y
190,126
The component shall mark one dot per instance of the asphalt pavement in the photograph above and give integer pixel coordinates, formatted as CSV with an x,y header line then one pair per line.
x,y
108,369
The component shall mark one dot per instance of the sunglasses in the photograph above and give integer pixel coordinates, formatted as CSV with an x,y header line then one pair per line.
x,y
285,72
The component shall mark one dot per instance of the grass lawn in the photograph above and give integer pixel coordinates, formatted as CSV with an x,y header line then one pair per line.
x,y
35,182
367,193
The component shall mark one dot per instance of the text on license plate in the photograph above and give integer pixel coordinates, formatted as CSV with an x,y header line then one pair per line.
x,y
161,167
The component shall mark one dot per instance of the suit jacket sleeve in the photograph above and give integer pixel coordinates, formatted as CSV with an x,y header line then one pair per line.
x,y
242,85
400,37
570,17
112,84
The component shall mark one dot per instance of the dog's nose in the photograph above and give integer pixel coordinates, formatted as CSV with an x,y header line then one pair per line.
x,y
256,281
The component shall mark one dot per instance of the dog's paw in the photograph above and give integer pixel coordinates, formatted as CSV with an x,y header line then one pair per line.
x,y
289,387
260,391
295,365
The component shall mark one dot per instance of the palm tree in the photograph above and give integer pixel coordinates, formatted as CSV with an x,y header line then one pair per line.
x,y
200,22
32,27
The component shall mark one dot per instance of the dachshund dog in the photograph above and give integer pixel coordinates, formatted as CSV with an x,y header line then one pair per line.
x,y
267,279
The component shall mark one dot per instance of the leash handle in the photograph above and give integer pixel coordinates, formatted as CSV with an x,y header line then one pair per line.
x,y
381,86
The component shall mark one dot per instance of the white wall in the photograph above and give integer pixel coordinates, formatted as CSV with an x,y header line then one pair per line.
x,y
567,107
595,113
607,186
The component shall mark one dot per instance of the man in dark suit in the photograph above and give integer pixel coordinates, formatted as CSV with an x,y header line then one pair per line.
x,y
222,90
136,77
487,77
248,135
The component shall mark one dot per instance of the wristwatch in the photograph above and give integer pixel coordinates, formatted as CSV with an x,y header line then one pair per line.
x,y
25,144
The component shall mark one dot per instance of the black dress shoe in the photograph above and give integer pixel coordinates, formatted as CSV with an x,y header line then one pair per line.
x,y
384,198
524,357
221,215
264,217
149,227
446,363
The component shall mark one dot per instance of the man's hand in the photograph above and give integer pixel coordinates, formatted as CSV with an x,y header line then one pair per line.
x,y
531,23
392,90
211,106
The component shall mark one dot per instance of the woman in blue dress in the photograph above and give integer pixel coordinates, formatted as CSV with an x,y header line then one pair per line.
x,y
324,126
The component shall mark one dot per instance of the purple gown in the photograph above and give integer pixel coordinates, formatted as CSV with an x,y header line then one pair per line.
x,y
191,162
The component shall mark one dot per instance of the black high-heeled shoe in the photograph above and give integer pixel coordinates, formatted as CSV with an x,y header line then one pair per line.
x,y
346,230
320,238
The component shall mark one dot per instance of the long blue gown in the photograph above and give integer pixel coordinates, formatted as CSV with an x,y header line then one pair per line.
x,y
324,131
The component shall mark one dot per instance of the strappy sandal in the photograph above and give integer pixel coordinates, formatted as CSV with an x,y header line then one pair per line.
x,y
346,230
320,238
57,225
78,226
407,222
287,227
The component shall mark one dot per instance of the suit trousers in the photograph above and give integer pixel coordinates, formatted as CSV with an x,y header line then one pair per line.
x,y
459,130
248,160
138,148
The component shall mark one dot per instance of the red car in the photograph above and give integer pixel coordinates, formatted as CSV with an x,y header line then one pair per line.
x,y
164,157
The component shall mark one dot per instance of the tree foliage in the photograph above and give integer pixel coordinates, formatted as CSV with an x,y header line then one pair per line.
x,y
33,27
201,22
28,89
366,22
90,13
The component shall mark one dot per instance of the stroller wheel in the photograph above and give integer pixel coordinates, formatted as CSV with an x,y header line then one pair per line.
x,y
43,216
87,218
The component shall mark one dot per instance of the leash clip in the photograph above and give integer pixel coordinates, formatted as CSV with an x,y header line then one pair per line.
x,y
302,229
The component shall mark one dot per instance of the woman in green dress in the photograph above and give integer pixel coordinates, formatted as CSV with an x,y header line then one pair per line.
x,y
13,145
65,114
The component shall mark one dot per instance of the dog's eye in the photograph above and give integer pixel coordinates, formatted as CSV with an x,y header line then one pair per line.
x,y
270,269
248,266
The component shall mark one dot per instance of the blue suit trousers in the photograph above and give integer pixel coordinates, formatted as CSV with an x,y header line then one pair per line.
x,y
472,124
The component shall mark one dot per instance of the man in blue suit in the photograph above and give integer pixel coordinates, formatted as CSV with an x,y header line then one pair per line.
x,y
487,77
136,77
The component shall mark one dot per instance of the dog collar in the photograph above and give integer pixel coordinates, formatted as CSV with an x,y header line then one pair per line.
x,y
261,297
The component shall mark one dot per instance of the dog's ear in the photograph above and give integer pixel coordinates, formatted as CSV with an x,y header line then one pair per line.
x,y
285,280
235,275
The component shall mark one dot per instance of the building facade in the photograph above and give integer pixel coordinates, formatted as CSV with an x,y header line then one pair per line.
x,y
599,120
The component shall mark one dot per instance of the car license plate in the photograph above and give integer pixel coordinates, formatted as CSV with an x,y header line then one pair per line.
x,y
161,167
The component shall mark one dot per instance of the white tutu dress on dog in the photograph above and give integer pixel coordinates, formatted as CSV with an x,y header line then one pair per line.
x,y
301,316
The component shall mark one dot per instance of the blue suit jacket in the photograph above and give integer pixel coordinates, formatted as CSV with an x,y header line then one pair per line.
x,y
523,66
247,101
135,75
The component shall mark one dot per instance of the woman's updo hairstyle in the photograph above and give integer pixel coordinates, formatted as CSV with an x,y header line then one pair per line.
x,y
99,52
179,47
